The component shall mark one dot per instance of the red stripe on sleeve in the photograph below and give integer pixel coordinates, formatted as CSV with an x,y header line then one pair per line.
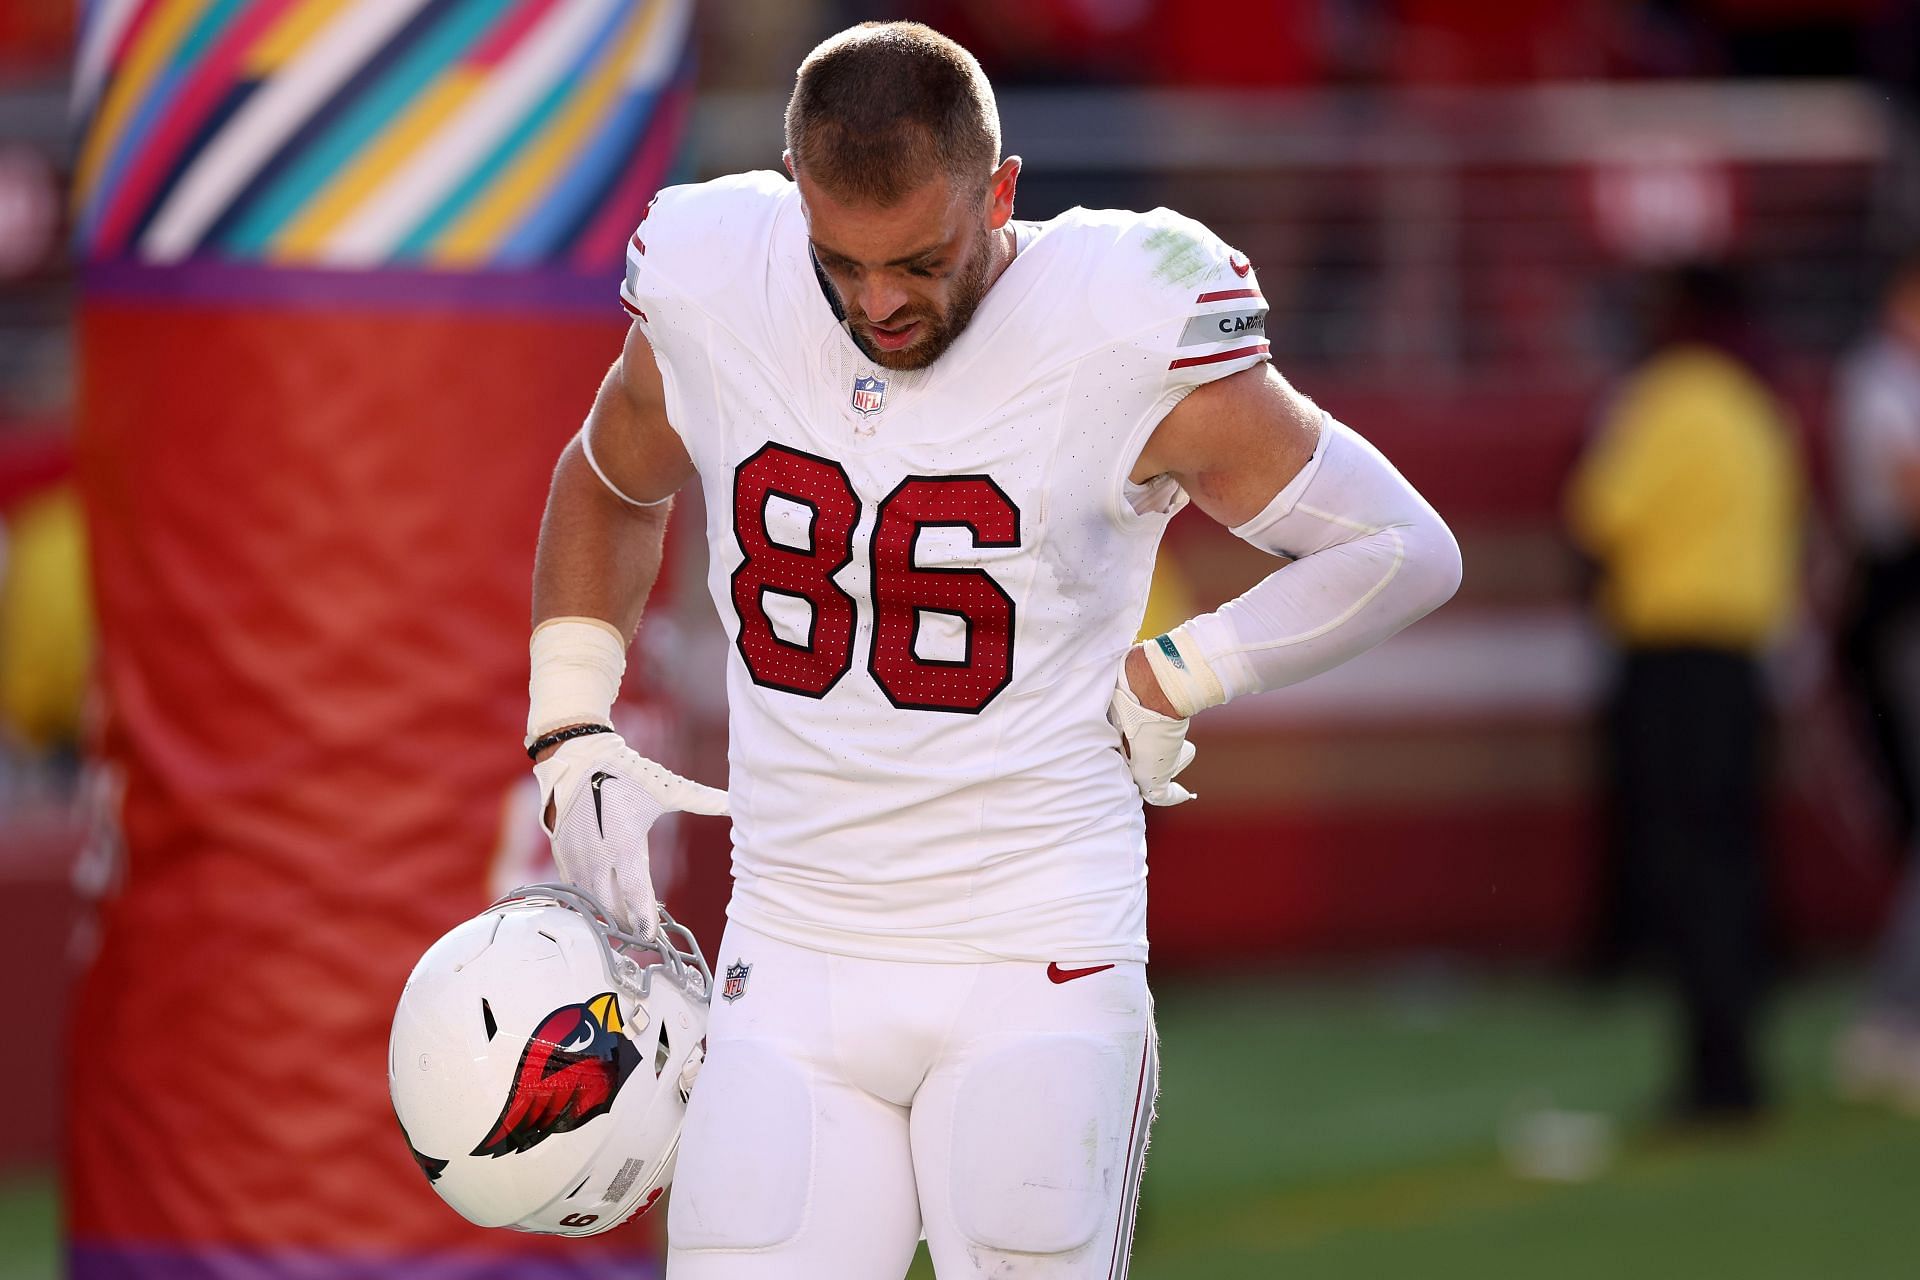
x,y
1257,348
632,310
1223,294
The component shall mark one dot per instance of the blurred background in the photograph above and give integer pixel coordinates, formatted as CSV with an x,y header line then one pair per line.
x,y
1565,934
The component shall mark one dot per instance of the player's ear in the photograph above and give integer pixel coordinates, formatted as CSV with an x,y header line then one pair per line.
x,y
1000,192
786,158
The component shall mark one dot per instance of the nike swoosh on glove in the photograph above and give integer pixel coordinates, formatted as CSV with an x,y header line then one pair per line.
x,y
1156,746
606,797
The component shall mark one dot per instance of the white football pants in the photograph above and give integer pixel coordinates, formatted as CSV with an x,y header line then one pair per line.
x,y
847,1105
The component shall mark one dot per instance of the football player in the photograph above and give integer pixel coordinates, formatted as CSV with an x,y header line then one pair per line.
x,y
938,447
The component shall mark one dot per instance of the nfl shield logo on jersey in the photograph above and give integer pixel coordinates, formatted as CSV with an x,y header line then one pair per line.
x,y
736,984
869,393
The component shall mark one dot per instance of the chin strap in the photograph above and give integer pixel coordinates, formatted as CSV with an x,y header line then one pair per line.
x,y
691,1071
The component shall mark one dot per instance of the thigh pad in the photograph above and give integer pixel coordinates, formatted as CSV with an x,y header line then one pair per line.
x,y
745,1155
1042,1130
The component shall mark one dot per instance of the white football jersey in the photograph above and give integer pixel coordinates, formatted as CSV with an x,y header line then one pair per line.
x,y
931,577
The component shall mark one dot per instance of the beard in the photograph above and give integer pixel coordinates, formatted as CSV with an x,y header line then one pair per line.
x,y
939,330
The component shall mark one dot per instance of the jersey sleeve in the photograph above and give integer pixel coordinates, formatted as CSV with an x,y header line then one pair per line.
x,y
695,243
635,285
1184,300
665,254
651,295
686,262
1179,308
643,284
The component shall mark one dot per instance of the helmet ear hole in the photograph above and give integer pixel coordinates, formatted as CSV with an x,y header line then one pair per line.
x,y
661,1052
486,1016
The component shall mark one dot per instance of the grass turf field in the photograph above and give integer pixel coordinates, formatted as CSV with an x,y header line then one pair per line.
x,y
1344,1129
1354,1129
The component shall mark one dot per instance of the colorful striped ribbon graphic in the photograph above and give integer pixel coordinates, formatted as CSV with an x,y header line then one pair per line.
x,y
460,134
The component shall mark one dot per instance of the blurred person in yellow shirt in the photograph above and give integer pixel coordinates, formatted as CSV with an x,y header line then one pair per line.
x,y
1689,500
46,626
1877,463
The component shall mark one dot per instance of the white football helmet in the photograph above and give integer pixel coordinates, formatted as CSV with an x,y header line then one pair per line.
x,y
549,1096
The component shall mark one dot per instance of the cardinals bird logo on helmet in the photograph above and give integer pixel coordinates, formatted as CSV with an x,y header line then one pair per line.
x,y
572,1068
557,1052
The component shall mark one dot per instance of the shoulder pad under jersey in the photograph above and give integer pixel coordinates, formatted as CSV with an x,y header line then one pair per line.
x,y
700,240
1163,281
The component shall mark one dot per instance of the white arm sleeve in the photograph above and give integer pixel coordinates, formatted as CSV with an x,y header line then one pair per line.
x,y
1369,558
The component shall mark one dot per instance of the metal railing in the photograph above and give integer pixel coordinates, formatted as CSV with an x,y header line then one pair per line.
x,y
1460,235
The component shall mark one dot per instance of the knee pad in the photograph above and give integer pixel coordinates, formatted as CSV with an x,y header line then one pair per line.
x,y
742,1181
1042,1131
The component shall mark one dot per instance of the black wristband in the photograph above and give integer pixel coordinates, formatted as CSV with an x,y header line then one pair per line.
x,y
559,736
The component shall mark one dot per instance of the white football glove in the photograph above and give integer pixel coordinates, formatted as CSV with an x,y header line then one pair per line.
x,y
606,796
1156,746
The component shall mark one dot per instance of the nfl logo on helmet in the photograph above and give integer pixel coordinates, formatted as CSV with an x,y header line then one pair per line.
x,y
869,393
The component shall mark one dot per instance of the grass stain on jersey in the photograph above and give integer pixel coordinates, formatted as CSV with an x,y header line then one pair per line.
x,y
1183,257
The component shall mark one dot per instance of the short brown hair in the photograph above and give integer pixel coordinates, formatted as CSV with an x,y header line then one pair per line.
x,y
881,107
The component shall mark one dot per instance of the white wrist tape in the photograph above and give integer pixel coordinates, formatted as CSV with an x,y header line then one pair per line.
x,y
1369,557
1184,673
577,664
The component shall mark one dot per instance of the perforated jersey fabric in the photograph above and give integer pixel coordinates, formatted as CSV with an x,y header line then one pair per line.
x,y
931,577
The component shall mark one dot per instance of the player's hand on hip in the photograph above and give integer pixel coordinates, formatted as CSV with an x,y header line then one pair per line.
x,y
598,800
1155,745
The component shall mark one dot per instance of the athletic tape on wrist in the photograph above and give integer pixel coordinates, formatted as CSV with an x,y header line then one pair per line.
x,y
576,665
1184,673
